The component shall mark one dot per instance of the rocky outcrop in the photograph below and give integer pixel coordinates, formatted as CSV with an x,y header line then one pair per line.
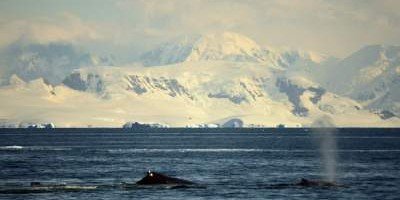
x,y
144,84
90,82
295,91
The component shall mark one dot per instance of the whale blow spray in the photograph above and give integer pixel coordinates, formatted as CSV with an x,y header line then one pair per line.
x,y
324,128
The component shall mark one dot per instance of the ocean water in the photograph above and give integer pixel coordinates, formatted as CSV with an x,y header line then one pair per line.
x,y
228,165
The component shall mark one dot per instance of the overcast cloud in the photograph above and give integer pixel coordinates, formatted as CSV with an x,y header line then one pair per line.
x,y
332,27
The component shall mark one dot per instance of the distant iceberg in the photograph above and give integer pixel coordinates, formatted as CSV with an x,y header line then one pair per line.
x,y
233,123
37,125
141,125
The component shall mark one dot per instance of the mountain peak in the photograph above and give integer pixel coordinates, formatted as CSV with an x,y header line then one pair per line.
x,y
226,46
51,61
371,54
227,42
16,81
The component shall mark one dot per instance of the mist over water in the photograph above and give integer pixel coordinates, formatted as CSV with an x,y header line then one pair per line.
x,y
327,145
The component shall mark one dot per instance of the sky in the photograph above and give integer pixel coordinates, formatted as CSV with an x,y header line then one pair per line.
x,y
130,27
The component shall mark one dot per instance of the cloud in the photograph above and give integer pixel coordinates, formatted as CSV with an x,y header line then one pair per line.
x,y
334,27
63,28
179,16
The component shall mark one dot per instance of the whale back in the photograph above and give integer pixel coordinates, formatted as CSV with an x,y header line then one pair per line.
x,y
316,183
154,178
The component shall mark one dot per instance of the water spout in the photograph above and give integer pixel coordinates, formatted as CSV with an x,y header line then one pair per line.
x,y
325,129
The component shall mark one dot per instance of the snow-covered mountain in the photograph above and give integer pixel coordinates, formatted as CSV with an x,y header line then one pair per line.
x,y
184,94
49,61
225,46
370,76
206,79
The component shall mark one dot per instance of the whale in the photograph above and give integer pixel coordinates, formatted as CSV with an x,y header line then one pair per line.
x,y
316,183
151,179
38,187
306,183
155,178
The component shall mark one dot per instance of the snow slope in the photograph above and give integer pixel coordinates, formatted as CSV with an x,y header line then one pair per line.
x,y
370,76
182,94
226,46
49,61
212,79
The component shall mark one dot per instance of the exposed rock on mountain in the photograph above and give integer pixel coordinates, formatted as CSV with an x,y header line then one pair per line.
x,y
221,79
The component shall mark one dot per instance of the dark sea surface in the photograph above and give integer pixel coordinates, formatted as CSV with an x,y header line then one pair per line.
x,y
226,165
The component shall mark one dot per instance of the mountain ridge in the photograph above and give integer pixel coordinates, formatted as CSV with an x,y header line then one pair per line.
x,y
226,79
225,46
